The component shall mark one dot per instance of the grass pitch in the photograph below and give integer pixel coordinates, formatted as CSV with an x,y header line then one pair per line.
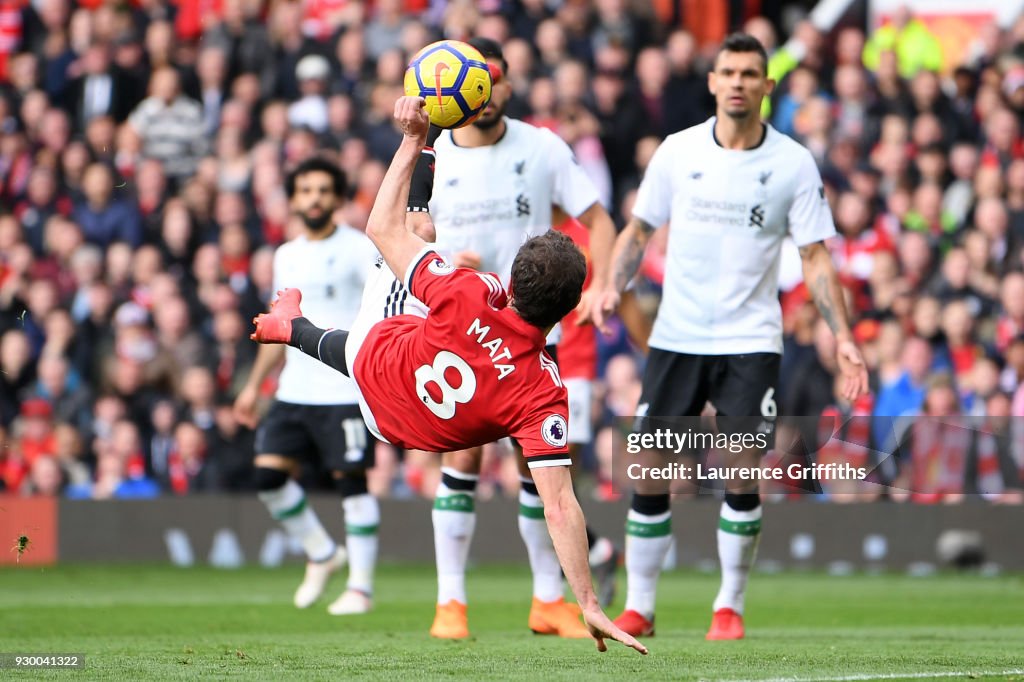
x,y
155,622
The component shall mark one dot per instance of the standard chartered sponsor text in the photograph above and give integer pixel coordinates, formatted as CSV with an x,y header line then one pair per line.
x,y
717,211
484,211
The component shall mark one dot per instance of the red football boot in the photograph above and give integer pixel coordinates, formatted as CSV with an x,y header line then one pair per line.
x,y
633,623
725,624
276,326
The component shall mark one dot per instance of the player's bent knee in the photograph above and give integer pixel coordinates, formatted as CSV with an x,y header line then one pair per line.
x,y
270,479
351,483
281,462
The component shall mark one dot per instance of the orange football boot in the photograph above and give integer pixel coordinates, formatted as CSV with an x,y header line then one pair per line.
x,y
450,621
725,624
276,326
633,623
557,618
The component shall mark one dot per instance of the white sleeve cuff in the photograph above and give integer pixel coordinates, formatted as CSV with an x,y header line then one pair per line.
x,y
544,463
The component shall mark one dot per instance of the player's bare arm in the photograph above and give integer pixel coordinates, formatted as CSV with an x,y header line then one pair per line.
x,y
567,528
386,226
421,224
626,256
602,241
267,359
823,282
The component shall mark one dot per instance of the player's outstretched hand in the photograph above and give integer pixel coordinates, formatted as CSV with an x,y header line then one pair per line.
x,y
601,627
411,118
467,259
853,370
244,408
596,307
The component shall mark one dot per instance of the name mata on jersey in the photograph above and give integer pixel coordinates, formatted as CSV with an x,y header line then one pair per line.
x,y
331,274
458,368
728,213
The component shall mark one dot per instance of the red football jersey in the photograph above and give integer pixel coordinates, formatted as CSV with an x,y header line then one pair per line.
x,y
469,373
577,351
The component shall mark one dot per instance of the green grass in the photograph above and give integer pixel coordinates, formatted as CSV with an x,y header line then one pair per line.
x,y
161,622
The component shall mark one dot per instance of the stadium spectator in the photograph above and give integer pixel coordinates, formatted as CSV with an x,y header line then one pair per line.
x,y
170,125
188,468
384,30
70,454
34,439
69,399
959,195
953,283
43,200
811,384
1011,320
310,111
990,468
915,47
102,217
934,448
102,89
116,477
957,328
45,477
17,371
906,392
212,72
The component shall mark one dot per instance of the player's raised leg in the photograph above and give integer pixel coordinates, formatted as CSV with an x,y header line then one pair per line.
x,y
284,324
454,518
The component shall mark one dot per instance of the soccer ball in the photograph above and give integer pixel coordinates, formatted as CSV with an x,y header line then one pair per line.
x,y
453,78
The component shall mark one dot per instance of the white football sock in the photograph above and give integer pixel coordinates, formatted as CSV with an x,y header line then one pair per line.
x,y
647,540
738,535
454,518
362,519
288,505
601,551
547,572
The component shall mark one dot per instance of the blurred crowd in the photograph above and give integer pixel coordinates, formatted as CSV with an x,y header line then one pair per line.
x,y
143,147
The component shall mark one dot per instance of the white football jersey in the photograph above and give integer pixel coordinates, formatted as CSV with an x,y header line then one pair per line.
x,y
728,213
491,199
331,274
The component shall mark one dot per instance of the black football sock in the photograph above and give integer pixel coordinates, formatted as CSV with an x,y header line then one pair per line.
x,y
325,345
